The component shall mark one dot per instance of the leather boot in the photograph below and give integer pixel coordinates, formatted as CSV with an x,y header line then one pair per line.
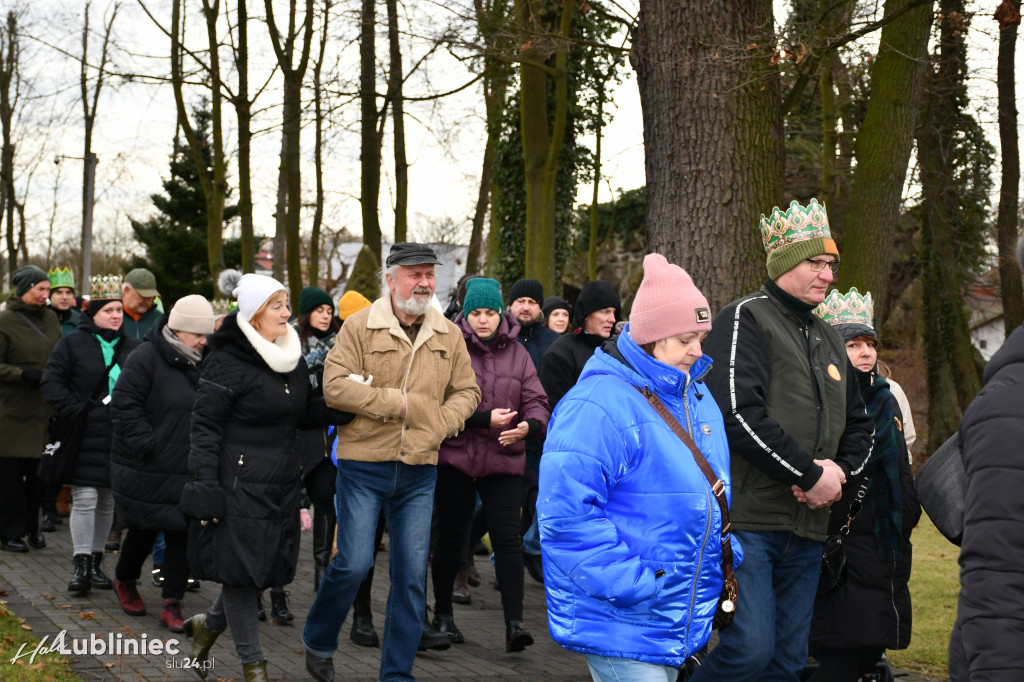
x,y
81,582
256,672
170,615
100,581
113,539
202,641
445,624
323,534
460,590
279,607
517,637
320,669
128,595
431,638
363,632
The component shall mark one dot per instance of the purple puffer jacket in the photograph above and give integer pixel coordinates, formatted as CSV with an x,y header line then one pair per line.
x,y
507,378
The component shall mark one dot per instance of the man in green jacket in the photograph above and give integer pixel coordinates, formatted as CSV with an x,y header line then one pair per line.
x,y
797,431
62,299
138,294
28,332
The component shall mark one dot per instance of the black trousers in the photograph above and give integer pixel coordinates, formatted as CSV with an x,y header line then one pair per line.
x,y
320,483
844,665
135,548
21,494
455,498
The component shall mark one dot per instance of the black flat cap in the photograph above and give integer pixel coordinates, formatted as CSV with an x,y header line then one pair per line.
x,y
411,253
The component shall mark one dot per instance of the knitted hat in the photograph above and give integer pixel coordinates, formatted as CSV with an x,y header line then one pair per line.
x,y
351,302
192,314
482,292
253,291
312,298
667,303
851,315
529,288
795,235
143,281
595,295
26,277
62,277
553,303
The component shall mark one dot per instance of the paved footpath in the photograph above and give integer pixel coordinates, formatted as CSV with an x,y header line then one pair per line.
x,y
36,587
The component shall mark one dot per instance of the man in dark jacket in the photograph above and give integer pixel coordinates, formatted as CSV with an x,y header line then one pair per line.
x,y
62,299
986,643
138,295
797,429
594,316
28,332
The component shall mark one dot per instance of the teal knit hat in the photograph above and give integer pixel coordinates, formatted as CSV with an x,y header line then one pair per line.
x,y
482,292
312,298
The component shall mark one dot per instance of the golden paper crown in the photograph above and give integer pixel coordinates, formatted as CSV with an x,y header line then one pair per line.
x,y
796,224
61,277
222,306
105,287
851,308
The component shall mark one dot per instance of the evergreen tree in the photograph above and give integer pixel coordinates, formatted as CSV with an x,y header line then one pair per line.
x,y
175,237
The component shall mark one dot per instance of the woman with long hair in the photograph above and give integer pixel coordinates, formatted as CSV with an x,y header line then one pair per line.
x,y
77,382
243,499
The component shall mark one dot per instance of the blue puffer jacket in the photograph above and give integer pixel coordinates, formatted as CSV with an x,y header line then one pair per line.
x,y
621,498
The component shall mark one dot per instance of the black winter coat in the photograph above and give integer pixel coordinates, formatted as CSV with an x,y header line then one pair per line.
x,y
986,643
244,465
73,372
872,609
561,365
151,412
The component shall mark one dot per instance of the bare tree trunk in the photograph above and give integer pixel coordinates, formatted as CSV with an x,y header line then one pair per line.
x,y
318,167
714,154
396,97
284,48
1011,290
10,53
592,250
884,145
281,215
364,271
496,78
243,112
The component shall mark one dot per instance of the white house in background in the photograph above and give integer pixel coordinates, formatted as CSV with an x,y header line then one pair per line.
x,y
985,308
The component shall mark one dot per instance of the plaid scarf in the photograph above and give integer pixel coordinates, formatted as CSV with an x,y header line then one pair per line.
x,y
882,469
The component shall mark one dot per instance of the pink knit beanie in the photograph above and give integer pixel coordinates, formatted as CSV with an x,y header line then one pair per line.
x,y
667,303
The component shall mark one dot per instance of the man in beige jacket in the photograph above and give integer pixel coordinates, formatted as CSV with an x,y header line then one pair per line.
x,y
403,370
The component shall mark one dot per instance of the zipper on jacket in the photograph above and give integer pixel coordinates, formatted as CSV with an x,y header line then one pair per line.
x,y
892,600
700,562
820,409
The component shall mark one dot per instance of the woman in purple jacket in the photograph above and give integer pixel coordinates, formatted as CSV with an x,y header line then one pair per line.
x,y
488,458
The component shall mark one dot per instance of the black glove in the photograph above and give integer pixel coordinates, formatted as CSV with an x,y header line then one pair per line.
x,y
203,500
32,377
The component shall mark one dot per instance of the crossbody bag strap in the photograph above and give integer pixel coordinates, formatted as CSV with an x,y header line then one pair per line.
x,y
34,326
717,486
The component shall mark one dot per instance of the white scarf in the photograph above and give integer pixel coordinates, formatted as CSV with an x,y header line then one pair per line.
x,y
282,355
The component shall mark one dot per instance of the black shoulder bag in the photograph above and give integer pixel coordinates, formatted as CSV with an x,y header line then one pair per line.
x,y
833,555
730,590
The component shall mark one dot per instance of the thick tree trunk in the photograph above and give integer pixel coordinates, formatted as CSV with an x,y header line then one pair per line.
x,y
318,161
243,112
1011,290
713,139
396,97
884,144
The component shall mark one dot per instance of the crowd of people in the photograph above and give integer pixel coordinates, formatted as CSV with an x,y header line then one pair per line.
x,y
662,476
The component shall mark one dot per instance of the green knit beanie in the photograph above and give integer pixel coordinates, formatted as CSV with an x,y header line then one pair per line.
x,y
482,292
312,298
795,235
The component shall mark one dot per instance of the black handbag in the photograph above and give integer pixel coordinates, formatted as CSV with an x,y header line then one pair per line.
x,y
57,464
941,486
833,555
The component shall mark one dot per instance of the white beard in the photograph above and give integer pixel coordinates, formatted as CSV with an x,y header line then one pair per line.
x,y
412,306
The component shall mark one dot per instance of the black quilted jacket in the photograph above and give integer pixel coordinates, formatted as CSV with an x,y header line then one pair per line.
x,y
244,465
151,411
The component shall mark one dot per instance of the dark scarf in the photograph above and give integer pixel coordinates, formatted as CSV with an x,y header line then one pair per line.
x,y
883,469
799,308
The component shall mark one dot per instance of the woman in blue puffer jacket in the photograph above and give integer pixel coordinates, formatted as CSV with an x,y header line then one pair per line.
x,y
630,529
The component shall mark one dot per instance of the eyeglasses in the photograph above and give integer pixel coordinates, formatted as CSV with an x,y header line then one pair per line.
x,y
819,265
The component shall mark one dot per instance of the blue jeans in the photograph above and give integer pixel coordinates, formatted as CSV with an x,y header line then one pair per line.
x,y
608,669
406,494
767,639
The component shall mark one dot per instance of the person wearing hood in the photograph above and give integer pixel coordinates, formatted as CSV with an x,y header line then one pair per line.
x,y
594,316
28,333
634,534
77,382
985,642
489,458
151,414
870,612
245,488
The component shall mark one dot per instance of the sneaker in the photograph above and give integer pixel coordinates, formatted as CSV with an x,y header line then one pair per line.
x,y
192,585
128,595
460,590
170,615
158,576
